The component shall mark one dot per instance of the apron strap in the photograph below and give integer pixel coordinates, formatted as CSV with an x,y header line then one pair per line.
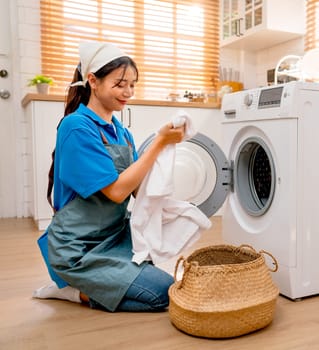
x,y
103,137
105,142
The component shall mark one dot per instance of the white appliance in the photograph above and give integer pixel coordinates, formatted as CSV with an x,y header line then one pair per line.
x,y
270,137
268,176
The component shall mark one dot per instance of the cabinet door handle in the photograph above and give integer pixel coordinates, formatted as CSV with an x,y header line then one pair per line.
x,y
122,117
239,27
237,24
129,117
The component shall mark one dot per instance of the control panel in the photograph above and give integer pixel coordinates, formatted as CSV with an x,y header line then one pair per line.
x,y
263,98
271,97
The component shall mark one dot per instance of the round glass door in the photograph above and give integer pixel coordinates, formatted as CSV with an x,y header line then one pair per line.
x,y
200,175
254,180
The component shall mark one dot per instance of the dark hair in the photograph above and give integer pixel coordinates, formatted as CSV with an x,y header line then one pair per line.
x,y
81,94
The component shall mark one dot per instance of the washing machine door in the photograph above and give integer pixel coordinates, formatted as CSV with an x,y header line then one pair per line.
x,y
254,176
202,175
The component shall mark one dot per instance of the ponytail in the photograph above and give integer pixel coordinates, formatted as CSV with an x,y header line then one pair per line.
x,y
76,94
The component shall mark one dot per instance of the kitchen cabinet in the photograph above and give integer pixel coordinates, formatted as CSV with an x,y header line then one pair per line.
x,y
257,24
42,118
144,120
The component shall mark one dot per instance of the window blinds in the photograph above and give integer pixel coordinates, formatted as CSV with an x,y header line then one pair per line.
x,y
174,43
312,32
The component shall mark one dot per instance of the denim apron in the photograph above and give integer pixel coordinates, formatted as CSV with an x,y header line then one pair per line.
x,y
89,242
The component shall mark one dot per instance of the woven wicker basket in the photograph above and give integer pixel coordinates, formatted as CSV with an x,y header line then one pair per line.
x,y
225,291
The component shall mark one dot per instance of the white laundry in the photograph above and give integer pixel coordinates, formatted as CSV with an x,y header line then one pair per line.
x,y
162,226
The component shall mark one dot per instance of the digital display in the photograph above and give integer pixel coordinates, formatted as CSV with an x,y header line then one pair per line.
x,y
270,97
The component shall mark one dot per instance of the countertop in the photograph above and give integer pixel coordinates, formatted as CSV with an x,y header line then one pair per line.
x,y
61,98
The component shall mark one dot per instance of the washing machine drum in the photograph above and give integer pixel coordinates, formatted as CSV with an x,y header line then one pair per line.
x,y
201,176
254,176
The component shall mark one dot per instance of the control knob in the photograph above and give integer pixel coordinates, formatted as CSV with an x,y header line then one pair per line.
x,y
248,100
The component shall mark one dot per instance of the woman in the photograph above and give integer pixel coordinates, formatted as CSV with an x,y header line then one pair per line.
x,y
95,171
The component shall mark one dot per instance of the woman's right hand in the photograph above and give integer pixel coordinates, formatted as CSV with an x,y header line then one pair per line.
x,y
170,135
131,178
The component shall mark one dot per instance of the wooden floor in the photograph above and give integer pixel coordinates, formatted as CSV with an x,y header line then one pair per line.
x,y
31,324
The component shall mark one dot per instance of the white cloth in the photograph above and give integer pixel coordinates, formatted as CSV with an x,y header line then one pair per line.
x,y
94,55
161,226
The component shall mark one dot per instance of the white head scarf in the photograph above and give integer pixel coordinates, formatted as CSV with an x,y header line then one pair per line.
x,y
94,55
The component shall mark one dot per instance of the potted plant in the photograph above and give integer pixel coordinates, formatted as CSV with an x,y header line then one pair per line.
x,y
42,83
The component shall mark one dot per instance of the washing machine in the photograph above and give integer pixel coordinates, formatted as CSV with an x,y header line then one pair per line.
x,y
270,138
264,175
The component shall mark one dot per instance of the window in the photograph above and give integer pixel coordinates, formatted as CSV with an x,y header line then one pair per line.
x,y
312,33
174,43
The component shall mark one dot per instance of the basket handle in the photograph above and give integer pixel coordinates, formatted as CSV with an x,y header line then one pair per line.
x,y
262,252
180,259
247,246
273,258
186,269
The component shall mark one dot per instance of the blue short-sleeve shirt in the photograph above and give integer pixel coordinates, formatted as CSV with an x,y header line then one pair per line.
x,y
82,164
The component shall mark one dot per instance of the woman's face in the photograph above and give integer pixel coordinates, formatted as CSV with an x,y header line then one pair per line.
x,y
113,91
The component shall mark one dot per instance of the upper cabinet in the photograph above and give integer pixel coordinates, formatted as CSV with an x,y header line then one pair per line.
x,y
257,24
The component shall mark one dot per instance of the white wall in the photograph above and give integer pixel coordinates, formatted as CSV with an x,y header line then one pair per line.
x,y
24,56
254,65
28,41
